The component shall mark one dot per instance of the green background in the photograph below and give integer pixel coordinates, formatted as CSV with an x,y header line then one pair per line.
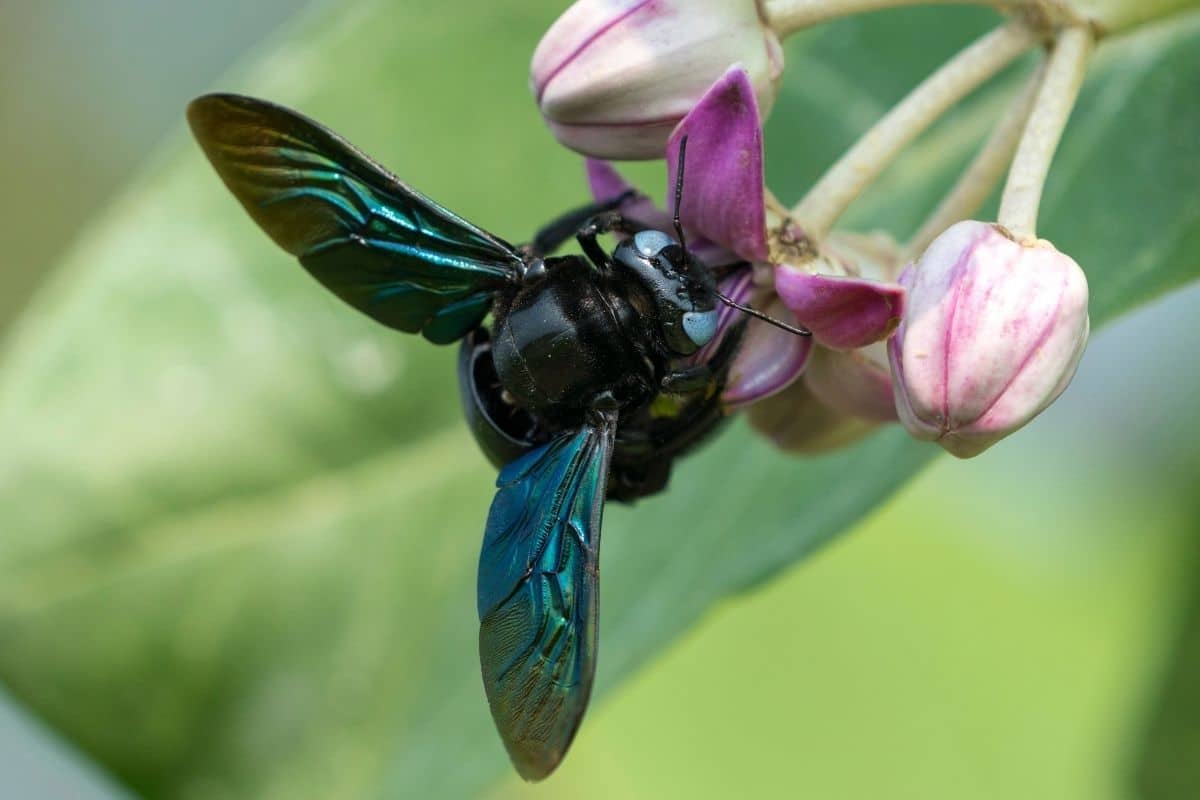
x,y
999,628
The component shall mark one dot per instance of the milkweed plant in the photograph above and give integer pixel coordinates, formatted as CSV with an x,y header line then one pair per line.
x,y
962,334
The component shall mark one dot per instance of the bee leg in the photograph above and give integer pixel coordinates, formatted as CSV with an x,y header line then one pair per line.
x,y
598,225
554,233
710,375
697,378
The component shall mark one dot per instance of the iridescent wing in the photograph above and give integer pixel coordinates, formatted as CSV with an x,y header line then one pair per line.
x,y
384,248
538,600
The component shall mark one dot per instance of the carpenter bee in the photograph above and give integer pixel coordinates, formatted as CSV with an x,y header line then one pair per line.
x,y
582,377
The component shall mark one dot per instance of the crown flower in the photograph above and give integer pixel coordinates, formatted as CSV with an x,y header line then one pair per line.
x,y
988,322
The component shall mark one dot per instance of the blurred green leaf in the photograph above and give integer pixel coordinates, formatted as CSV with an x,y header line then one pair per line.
x,y
1168,764
241,523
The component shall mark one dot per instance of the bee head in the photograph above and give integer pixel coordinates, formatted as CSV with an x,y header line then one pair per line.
x,y
681,288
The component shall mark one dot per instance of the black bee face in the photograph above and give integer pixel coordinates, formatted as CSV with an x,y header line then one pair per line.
x,y
682,288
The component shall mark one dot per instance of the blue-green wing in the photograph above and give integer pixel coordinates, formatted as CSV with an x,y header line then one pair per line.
x,y
382,247
538,600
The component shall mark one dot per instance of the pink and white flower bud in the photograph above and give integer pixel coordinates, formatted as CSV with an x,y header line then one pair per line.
x,y
614,77
992,335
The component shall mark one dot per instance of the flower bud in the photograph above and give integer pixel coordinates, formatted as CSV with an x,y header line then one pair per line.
x,y
614,77
992,334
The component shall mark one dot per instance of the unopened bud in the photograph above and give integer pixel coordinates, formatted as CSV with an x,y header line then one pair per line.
x,y
992,335
614,77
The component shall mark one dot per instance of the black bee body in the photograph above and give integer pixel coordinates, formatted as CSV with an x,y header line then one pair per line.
x,y
577,338
570,336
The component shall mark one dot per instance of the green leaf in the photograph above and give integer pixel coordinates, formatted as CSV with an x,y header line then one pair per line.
x,y
241,523
1168,765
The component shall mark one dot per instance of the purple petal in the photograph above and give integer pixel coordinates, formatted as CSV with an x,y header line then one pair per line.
x,y
842,312
606,183
604,180
723,175
770,360
710,253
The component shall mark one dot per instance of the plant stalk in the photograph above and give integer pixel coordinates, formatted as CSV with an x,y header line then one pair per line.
x,y
1104,16
979,179
829,198
1043,131
789,16
1108,17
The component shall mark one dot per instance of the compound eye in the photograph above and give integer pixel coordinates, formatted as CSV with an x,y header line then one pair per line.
x,y
700,326
651,243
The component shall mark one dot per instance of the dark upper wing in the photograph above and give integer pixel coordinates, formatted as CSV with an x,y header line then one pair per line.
x,y
538,598
382,247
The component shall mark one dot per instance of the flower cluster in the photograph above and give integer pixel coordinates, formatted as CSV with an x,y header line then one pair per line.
x,y
962,335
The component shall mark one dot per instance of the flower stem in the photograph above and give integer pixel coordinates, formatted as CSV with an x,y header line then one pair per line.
x,y
1106,17
789,16
980,178
1117,16
870,155
1055,99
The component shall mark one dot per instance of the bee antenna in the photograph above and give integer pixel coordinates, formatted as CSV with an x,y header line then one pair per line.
x,y
754,312
679,193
